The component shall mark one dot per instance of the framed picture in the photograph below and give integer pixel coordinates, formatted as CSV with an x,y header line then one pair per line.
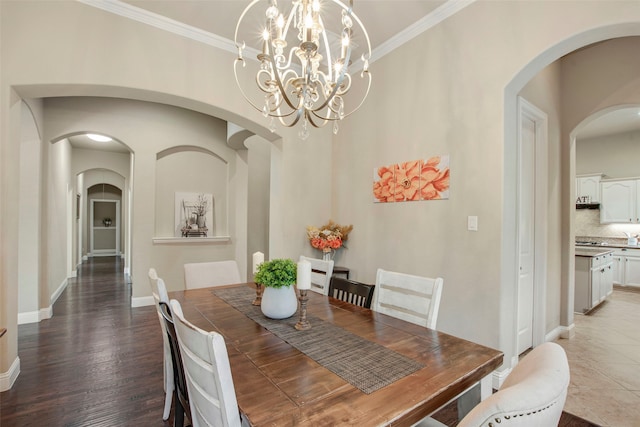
x,y
194,214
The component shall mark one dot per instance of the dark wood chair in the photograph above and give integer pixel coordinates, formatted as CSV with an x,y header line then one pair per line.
x,y
181,397
351,291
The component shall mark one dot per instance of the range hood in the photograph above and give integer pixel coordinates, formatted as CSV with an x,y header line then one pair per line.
x,y
587,205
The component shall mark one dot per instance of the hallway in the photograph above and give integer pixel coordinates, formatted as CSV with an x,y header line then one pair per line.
x,y
93,363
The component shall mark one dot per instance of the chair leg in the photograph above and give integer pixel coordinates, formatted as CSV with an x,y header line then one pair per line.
x,y
178,416
169,388
167,405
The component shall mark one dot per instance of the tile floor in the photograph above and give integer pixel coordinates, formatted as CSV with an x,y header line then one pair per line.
x,y
604,359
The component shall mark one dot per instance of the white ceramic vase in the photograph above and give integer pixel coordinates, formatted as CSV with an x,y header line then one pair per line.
x,y
279,303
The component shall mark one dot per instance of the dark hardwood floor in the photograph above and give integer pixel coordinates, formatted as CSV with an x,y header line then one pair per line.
x,y
98,362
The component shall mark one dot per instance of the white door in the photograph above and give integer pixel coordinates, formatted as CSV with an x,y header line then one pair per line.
x,y
526,228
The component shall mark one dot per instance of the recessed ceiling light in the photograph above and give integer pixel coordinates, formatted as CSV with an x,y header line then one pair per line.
x,y
99,138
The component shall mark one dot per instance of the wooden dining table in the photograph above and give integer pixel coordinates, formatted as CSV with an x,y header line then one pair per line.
x,y
277,384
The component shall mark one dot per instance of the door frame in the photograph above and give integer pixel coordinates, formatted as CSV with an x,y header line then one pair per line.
x,y
540,119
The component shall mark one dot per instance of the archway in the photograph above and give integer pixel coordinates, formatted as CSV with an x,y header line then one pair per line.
x,y
566,173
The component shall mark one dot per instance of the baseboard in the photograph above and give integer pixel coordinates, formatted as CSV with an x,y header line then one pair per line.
x,y
46,313
142,301
498,377
59,291
566,332
28,317
35,316
8,378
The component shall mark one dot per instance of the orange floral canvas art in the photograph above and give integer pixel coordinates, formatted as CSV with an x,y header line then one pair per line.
x,y
411,181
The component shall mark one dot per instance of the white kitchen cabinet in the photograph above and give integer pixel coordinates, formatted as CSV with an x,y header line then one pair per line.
x,y
626,267
617,268
619,201
593,279
632,271
588,186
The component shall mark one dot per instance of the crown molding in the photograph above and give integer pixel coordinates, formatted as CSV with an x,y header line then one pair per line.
x,y
441,13
163,23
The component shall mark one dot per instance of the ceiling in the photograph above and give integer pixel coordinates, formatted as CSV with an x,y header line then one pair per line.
x,y
84,142
218,18
619,121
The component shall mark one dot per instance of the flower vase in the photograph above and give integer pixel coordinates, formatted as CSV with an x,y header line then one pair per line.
x,y
279,303
326,256
201,221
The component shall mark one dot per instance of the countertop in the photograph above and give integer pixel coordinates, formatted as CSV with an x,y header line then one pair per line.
x,y
590,251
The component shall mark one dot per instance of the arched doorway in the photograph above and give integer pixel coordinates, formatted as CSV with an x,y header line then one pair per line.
x,y
567,120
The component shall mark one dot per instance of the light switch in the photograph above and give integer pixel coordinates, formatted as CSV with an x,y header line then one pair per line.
x,y
472,223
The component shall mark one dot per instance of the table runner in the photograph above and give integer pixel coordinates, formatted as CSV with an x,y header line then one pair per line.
x,y
366,365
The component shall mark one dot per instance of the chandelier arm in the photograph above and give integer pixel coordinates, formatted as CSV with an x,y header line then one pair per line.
x,y
310,119
235,73
364,97
295,120
276,77
338,82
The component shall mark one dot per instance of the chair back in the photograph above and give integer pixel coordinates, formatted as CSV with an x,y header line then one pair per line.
x,y
182,408
533,394
321,272
216,273
411,298
159,292
351,291
212,396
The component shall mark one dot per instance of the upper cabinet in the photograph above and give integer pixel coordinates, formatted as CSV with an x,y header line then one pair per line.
x,y
619,201
588,188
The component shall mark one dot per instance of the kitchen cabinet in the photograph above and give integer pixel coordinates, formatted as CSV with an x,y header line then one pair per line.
x,y
593,278
632,271
617,266
588,186
619,201
626,267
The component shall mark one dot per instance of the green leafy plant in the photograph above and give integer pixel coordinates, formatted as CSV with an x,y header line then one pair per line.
x,y
277,273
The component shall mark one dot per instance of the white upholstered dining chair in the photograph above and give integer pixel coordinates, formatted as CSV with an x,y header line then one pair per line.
x,y
410,298
533,394
321,272
216,273
212,396
159,292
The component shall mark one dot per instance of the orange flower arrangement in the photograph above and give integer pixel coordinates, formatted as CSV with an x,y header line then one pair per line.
x,y
330,236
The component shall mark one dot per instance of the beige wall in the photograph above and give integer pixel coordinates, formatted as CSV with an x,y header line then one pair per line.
x,y
455,96
616,156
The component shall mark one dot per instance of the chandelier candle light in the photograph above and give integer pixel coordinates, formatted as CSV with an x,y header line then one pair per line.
x,y
308,81
303,280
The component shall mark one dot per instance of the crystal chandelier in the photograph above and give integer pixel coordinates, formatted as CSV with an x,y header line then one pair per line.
x,y
308,82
